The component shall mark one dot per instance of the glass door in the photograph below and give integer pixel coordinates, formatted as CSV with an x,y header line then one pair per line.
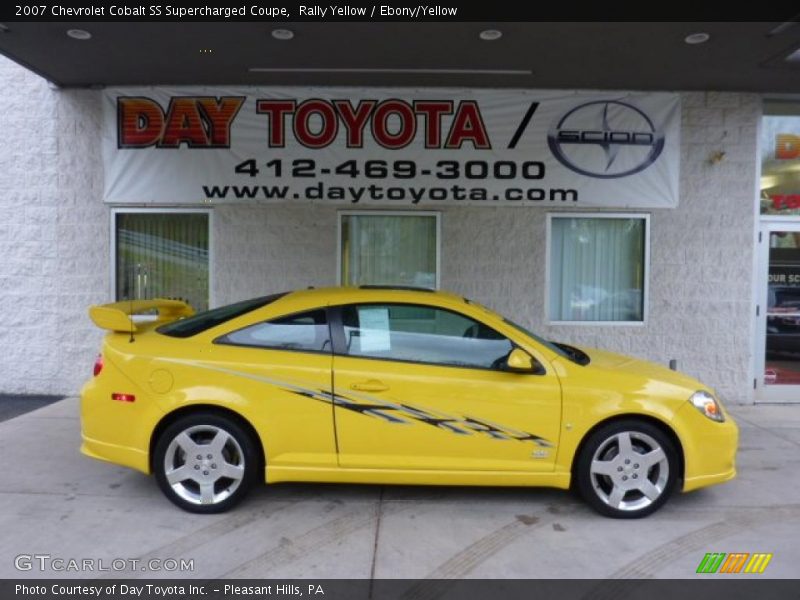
x,y
778,374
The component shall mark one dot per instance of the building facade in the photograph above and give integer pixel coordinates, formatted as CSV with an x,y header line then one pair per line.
x,y
692,298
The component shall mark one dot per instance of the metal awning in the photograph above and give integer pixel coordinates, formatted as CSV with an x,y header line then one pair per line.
x,y
758,57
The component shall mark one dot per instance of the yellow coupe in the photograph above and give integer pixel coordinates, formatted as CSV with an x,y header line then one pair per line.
x,y
389,385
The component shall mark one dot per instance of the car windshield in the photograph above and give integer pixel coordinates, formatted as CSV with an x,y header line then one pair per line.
x,y
549,345
211,318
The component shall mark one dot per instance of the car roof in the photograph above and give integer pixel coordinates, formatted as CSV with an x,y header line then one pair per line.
x,y
366,293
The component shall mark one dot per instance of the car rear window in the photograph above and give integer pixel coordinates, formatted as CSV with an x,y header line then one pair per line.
x,y
211,318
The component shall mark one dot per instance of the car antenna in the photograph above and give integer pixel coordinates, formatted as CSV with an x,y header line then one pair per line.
x,y
130,318
130,312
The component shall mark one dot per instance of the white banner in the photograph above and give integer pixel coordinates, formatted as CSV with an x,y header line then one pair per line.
x,y
392,147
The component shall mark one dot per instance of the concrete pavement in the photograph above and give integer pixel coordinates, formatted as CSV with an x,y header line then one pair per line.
x,y
14,405
55,502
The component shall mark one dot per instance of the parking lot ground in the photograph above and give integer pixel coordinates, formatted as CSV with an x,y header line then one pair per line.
x,y
56,502
13,405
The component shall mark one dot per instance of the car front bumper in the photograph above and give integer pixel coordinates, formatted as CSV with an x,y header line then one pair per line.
x,y
709,448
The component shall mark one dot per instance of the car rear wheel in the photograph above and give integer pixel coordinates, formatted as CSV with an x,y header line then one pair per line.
x,y
627,469
205,462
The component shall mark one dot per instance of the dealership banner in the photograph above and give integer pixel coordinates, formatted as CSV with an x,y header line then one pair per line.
x,y
392,147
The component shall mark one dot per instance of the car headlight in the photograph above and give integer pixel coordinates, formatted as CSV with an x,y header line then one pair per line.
x,y
708,405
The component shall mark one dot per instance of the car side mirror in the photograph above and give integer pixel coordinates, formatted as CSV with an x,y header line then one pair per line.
x,y
519,361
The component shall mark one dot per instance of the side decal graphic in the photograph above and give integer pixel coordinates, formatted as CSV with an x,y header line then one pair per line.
x,y
400,414
407,414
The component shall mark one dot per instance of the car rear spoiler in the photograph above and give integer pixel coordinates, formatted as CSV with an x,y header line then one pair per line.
x,y
117,315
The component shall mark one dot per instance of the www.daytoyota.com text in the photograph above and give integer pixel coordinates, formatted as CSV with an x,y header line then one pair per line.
x,y
393,182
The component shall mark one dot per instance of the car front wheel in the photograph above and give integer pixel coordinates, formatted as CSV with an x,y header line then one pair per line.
x,y
205,462
627,469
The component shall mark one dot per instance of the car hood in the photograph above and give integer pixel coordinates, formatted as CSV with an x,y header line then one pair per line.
x,y
627,365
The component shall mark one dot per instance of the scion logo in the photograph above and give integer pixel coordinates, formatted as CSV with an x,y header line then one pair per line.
x,y
606,139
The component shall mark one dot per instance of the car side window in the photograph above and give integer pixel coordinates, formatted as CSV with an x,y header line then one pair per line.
x,y
423,334
304,332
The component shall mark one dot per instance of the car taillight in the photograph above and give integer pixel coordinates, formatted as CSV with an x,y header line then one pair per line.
x,y
98,365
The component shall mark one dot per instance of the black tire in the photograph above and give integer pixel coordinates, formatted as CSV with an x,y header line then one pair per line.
x,y
622,483
203,473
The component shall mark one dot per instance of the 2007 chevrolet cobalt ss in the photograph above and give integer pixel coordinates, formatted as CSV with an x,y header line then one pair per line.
x,y
390,386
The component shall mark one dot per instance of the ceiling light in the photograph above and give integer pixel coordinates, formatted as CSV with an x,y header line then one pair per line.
x,y
490,35
282,34
411,71
79,34
3,28
697,38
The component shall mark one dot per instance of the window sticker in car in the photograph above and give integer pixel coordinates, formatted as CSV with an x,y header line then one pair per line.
x,y
374,329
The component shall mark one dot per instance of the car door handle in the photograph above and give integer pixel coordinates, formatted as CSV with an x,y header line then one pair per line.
x,y
370,385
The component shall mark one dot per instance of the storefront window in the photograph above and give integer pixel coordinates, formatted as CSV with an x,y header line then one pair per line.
x,y
162,255
780,196
597,269
780,158
782,362
389,249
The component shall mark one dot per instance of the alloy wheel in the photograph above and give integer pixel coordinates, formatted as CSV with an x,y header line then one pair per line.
x,y
204,464
629,471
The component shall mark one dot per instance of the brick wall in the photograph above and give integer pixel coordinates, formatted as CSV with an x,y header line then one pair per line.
x,y
262,250
27,233
53,233
54,236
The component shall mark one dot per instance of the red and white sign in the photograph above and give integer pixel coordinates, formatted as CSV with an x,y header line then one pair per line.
x,y
391,147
